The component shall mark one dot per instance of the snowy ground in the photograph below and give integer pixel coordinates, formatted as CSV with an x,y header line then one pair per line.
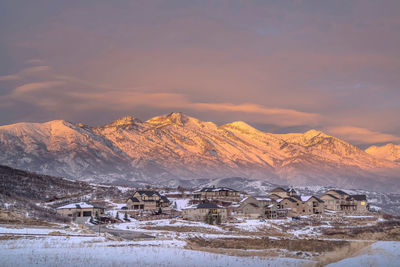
x,y
382,253
97,251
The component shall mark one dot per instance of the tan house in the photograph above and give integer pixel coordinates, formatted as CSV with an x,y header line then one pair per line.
x,y
147,200
257,207
199,212
338,200
217,193
81,209
280,192
301,205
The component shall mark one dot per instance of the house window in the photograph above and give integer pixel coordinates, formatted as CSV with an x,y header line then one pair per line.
x,y
87,213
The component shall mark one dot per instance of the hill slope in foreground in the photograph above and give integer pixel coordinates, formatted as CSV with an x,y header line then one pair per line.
x,y
177,149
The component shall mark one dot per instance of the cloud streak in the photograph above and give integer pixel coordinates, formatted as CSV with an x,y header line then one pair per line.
x,y
362,135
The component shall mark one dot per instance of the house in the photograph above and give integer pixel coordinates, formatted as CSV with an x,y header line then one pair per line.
x,y
257,207
280,192
217,193
81,209
338,200
362,205
202,211
301,205
147,200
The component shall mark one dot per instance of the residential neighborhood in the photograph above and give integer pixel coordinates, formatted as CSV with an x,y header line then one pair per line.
x,y
221,204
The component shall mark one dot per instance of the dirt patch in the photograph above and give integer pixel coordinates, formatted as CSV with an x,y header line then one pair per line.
x,y
307,245
388,231
184,229
10,237
342,253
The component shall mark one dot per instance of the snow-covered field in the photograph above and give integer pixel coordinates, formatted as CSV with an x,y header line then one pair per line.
x,y
382,253
97,251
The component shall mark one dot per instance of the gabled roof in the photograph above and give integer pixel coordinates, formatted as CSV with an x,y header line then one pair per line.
x,y
148,193
279,189
305,198
263,198
216,189
330,195
134,199
292,199
359,197
340,192
206,205
165,199
80,205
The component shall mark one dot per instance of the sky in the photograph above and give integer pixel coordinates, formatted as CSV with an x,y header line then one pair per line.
x,y
281,66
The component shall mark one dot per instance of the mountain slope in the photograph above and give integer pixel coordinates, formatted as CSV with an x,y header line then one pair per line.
x,y
176,148
389,152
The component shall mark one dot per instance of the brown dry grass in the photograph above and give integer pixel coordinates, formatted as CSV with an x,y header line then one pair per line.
x,y
184,229
387,230
341,253
308,245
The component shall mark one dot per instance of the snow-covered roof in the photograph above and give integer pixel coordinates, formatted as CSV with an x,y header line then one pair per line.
x,y
244,199
305,198
279,200
80,205
204,206
215,189
263,199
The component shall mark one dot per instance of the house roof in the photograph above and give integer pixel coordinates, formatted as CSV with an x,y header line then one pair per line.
x,y
148,193
216,189
330,195
206,205
292,199
165,199
359,197
134,199
338,191
305,198
263,199
80,205
279,189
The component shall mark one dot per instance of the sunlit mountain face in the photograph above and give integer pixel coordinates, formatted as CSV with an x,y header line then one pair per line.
x,y
177,149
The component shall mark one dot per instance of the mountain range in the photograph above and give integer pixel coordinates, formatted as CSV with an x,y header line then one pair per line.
x,y
177,149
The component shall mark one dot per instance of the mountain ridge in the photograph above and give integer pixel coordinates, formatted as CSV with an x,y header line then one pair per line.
x,y
177,147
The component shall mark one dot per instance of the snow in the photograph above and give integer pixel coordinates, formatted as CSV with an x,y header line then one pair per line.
x,y
305,198
82,205
382,253
64,251
180,203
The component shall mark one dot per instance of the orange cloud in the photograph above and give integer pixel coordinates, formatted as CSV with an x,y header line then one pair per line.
x,y
11,77
37,86
362,135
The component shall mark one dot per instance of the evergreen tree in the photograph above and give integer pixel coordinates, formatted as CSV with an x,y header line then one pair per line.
x,y
126,216
117,216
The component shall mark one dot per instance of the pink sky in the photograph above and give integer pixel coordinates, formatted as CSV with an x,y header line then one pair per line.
x,y
278,65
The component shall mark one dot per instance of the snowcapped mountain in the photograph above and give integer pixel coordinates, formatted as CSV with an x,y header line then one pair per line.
x,y
389,152
178,149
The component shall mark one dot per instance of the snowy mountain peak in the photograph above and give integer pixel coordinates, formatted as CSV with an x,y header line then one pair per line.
x,y
389,152
313,133
177,118
124,121
241,126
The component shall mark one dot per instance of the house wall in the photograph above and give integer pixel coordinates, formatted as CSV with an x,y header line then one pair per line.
x,y
200,214
331,203
80,212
